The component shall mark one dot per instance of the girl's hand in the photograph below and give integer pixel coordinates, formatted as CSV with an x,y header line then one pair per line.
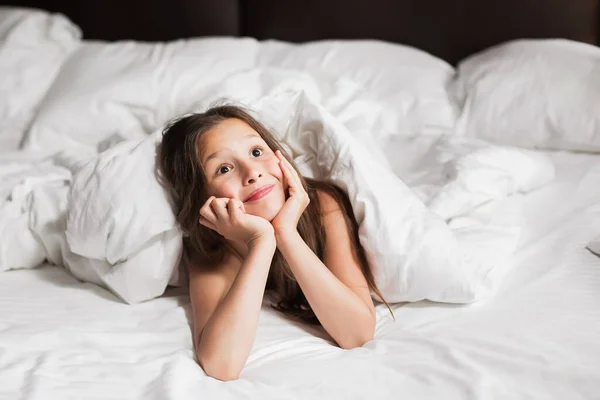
x,y
228,218
286,220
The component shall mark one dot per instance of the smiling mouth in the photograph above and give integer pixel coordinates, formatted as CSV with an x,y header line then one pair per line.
x,y
259,194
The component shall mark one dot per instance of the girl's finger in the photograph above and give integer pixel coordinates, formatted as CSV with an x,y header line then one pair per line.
x,y
293,179
283,165
234,207
291,174
219,207
238,204
284,175
206,210
207,223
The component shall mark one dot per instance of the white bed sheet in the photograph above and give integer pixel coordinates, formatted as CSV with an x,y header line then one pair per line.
x,y
539,338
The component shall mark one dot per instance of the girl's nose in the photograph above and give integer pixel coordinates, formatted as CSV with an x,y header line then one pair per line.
x,y
252,175
253,179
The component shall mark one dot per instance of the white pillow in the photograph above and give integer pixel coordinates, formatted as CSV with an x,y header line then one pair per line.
x,y
532,93
33,46
120,227
408,85
130,88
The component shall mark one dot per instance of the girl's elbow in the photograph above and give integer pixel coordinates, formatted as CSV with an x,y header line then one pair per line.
x,y
222,374
219,369
354,344
360,338
358,341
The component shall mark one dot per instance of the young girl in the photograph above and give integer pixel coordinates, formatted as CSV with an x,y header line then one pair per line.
x,y
251,224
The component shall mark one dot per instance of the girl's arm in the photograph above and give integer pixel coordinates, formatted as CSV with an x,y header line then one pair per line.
x,y
226,313
336,290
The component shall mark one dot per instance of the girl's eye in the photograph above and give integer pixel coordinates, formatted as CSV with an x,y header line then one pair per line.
x,y
257,152
223,169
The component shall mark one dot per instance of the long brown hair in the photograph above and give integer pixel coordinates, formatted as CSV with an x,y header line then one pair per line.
x,y
179,165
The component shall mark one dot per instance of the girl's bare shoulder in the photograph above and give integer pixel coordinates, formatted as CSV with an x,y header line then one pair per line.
x,y
327,203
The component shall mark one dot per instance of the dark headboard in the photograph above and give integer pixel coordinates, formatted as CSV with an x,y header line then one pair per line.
x,y
448,29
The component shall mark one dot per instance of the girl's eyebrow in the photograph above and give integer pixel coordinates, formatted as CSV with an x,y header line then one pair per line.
x,y
216,153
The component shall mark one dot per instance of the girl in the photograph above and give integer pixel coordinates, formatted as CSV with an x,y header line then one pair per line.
x,y
251,224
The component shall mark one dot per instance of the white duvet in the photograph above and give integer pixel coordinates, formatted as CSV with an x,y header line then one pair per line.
x,y
107,219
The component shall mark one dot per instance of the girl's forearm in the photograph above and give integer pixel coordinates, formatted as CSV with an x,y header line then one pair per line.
x,y
228,335
343,314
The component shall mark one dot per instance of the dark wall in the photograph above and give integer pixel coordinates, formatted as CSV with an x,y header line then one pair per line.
x,y
451,29
150,20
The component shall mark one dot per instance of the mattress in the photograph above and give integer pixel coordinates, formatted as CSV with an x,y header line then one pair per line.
x,y
538,338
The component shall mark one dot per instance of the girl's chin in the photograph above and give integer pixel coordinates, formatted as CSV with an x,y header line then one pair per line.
x,y
267,213
268,216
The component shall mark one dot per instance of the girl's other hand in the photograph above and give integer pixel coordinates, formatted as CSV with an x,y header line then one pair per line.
x,y
287,219
228,218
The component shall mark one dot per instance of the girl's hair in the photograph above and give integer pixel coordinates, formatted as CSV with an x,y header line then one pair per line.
x,y
179,165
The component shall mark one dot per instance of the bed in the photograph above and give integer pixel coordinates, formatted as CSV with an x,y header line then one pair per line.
x,y
402,77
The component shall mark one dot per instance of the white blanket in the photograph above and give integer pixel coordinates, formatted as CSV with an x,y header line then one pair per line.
x,y
536,338
121,234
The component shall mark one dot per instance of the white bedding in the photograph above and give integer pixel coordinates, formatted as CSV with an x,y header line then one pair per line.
x,y
33,46
537,338
109,221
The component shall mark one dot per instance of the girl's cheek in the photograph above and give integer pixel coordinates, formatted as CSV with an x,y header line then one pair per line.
x,y
220,191
276,169
233,190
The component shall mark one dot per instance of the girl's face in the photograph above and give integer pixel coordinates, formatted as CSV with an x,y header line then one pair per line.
x,y
237,162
